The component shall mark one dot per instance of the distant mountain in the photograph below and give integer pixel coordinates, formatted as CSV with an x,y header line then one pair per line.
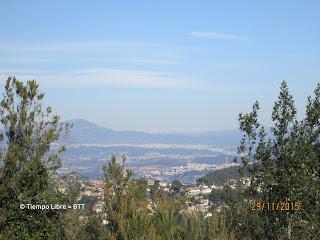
x,y
85,132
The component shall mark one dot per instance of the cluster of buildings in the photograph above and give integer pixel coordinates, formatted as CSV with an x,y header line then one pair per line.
x,y
197,195
167,173
86,189
93,189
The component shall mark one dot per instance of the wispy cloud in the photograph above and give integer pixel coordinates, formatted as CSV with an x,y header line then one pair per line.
x,y
128,60
77,45
217,35
25,60
94,77
128,52
94,59
20,71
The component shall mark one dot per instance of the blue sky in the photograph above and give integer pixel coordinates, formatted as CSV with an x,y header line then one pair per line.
x,y
162,65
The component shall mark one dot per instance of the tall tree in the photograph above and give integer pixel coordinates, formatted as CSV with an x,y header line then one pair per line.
x,y
126,202
27,162
284,168
176,186
131,214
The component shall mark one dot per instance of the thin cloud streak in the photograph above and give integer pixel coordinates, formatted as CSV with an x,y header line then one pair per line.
x,y
95,77
124,60
138,61
217,35
78,45
25,60
21,71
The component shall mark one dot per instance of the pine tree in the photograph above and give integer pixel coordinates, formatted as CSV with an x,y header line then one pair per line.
x,y
283,167
27,162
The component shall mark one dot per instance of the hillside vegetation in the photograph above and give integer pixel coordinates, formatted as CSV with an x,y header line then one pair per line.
x,y
220,177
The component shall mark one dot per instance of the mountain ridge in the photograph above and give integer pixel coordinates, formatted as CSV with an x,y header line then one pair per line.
x,y
84,131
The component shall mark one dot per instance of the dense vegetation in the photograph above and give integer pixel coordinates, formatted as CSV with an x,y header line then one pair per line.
x,y
27,164
220,177
132,215
284,168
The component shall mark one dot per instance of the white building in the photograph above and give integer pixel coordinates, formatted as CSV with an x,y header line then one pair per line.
x,y
193,191
205,190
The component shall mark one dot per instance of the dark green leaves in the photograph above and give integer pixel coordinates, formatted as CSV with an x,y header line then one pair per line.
x,y
283,167
27,162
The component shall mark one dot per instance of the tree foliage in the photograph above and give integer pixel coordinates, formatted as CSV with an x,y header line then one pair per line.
x,y
132,215
220,177
283,167
27,162
176,185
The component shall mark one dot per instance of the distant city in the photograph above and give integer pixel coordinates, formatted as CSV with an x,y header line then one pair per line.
x,y
163,157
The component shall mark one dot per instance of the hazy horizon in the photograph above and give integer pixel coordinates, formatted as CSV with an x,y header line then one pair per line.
x,y
154,131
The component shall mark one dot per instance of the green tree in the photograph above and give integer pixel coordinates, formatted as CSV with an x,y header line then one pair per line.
x,y
283,167
126,202
216,197
176,186
220,177
27,162
132,215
